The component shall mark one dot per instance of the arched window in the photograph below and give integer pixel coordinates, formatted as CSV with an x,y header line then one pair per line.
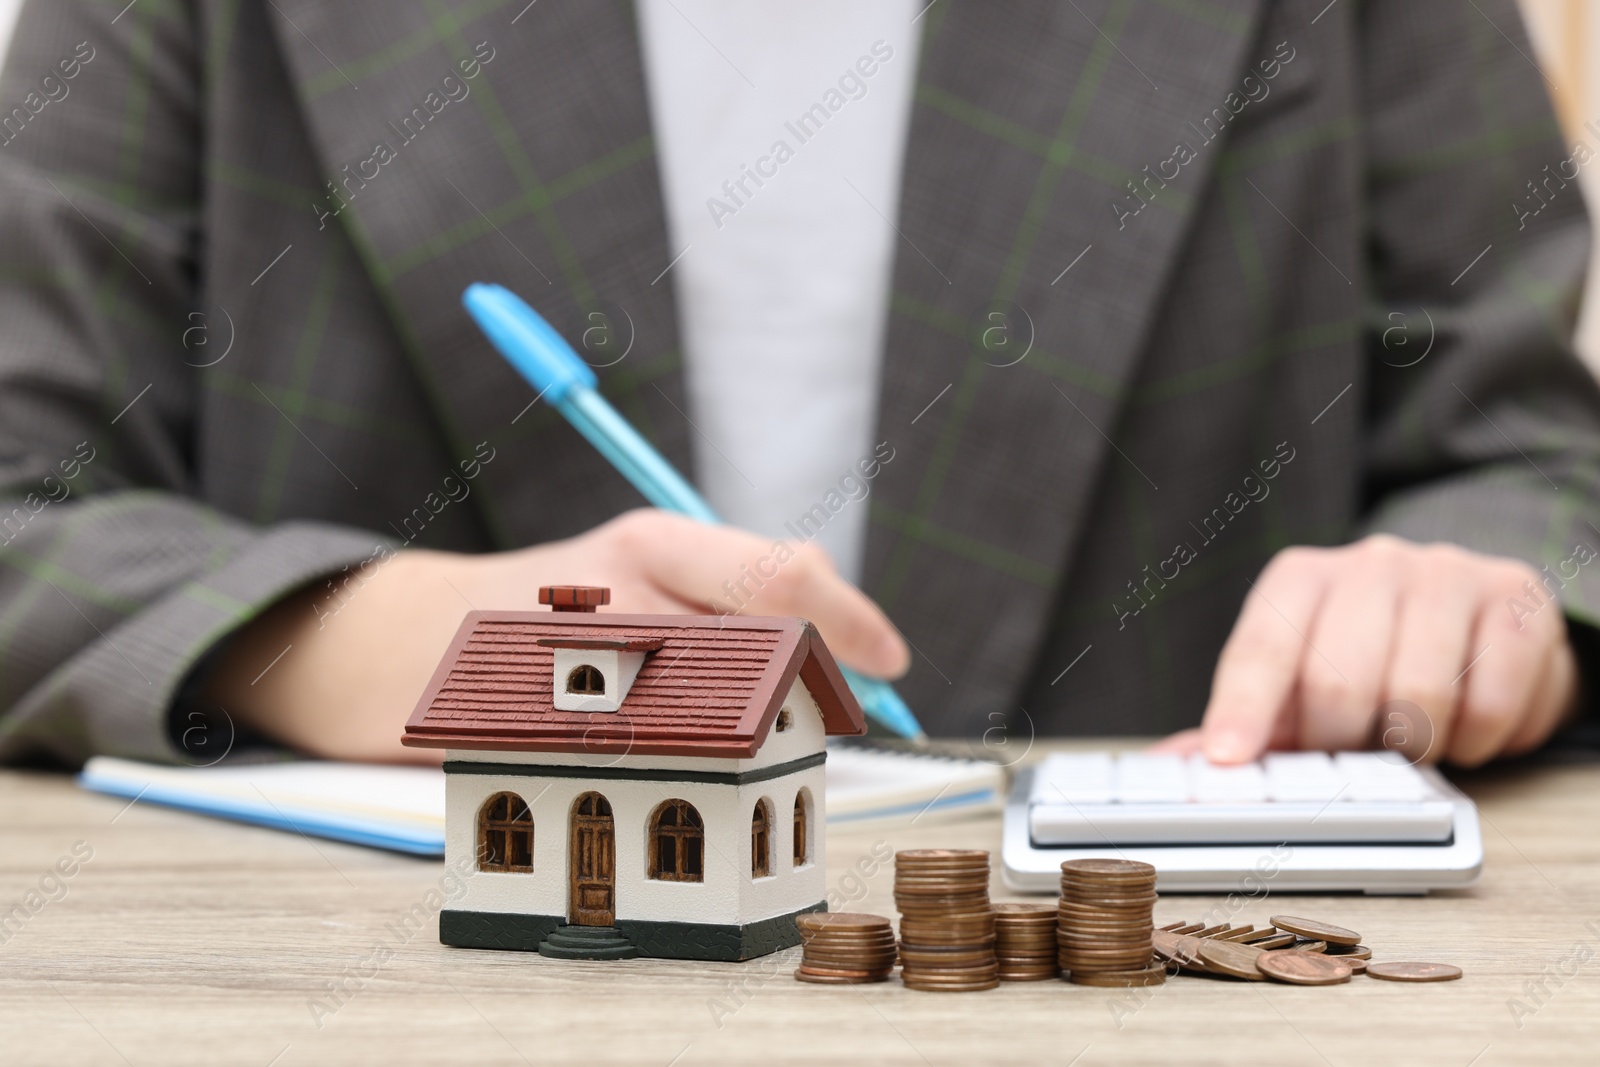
x,y
761,840
586,680
677,843
505,834
802,840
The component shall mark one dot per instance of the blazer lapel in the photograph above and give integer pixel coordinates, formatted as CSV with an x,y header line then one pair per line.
x,y
471,147
1028,271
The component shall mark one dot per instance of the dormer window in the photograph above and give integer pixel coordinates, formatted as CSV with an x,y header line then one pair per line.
x,y
586,680
591,673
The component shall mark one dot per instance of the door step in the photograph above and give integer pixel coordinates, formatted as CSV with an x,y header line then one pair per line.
x,y
587,943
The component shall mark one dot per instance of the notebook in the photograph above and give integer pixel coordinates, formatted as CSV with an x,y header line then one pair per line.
x,y
402,808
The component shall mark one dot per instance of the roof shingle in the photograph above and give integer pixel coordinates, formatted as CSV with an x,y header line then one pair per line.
x,y
712,688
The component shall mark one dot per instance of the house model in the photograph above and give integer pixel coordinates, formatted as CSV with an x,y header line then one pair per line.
x,y
633,785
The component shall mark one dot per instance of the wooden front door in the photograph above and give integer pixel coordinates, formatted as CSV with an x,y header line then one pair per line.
x,y
592,870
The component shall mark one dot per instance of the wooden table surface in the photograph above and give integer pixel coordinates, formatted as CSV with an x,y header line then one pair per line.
x,y
188,940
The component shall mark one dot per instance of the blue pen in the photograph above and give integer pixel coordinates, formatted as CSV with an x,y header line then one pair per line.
x,y
543,357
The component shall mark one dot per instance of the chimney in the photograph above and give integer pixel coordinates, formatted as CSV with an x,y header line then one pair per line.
x,y
574,597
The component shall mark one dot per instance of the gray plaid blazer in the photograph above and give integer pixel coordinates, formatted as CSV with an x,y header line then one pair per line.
x,y
1181,283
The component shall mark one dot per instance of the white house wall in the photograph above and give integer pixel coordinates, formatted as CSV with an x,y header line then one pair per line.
x,y
790,888
727,895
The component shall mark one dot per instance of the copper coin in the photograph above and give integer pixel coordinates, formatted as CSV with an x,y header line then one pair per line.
x,y
1108,894
1102,933
1350,952
1101,960
1187,928
1414,972
977,922
952,987
1107,952
1144,976
1024,911
1357,964
841,920
950,974
818,944
934,937
1277,941
1121,945
830,959
1176,947
968,899
942,915
1226,957
1130,963
1317,947
840,973
1106,868
820,949
834,979
849,936
956,961
1070,911
1242,933
1208,931
1316,931
1303,968
1101,936
925,858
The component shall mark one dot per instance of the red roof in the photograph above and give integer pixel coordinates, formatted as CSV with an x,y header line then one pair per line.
x,y
712,688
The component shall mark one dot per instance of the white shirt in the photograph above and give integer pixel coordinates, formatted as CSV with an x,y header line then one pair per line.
x,y
781,130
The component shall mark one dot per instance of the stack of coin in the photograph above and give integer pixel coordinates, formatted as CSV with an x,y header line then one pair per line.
x,y
1025,942
844,948
946,925
1103,927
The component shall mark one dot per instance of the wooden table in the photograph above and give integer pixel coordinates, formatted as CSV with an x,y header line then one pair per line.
x,y
187,940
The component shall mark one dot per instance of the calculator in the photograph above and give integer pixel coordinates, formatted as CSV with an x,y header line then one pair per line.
x,y
1294,821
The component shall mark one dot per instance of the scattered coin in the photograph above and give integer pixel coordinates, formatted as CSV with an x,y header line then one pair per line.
x,y
1310,946
1315,931
1226,957
1303,968
1276,941
1176,948
1414,972
1350,952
